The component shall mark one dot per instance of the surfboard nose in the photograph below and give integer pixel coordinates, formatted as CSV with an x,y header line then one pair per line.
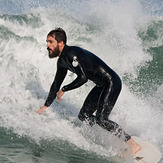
x,y
148,154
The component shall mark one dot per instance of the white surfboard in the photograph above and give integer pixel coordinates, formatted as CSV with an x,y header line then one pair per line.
x,y
148,154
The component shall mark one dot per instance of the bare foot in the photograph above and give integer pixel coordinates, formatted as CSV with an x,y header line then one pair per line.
x,y
134,147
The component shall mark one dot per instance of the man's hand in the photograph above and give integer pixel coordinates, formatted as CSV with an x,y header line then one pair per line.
x,y
41,110
59,95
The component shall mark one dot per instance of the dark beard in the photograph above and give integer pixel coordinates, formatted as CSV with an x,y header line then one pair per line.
x,y
55,52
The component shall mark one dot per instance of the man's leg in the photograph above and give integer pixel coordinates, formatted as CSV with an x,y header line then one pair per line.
x,y
106,103
103,113
92,103
90,106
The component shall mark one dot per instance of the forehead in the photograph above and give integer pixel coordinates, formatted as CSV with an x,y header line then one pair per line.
x,y
50,38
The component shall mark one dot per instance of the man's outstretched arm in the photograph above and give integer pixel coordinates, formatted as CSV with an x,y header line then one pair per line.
x,y
59,95
60,75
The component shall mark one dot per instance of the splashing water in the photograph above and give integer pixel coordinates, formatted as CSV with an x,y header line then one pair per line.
x,y
126,35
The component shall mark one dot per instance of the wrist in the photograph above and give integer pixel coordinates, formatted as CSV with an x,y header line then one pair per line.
x,y
63,89
44,107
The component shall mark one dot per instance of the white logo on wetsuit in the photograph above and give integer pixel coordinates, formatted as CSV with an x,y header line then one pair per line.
x,y
75,62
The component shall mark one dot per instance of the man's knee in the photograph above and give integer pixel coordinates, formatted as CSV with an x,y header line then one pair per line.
x,y
90,120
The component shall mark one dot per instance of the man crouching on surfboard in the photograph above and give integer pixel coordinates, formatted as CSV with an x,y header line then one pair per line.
x,y
86,65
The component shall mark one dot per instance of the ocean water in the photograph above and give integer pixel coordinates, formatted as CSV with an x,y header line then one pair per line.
x,y
126,34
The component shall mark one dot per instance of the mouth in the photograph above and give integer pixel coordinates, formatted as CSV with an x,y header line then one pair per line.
x,y
49,49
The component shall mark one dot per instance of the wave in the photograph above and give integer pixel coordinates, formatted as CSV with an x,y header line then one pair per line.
x,y
150,78
119,32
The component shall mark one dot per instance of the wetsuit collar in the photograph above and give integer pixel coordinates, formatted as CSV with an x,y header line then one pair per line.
x,y
63,51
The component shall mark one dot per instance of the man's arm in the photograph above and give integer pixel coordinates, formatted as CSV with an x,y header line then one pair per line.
x,y
60,75
79,70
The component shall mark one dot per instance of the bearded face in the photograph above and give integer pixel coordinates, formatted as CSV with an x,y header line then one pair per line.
x,y
52,47
54,52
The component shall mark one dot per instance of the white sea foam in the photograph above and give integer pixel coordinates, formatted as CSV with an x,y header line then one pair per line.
x,y
107,29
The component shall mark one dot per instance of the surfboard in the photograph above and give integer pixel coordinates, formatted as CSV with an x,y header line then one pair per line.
x,y
148,154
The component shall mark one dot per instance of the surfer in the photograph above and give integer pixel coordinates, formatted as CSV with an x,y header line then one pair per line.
x,y
86,66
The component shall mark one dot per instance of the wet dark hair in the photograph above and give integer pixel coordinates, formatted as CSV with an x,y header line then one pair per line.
x,y
59,34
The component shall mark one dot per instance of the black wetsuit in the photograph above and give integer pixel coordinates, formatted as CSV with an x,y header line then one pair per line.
x,y
102,97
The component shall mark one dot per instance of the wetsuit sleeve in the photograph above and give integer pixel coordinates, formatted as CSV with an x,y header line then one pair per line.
x,y
60,75
79,70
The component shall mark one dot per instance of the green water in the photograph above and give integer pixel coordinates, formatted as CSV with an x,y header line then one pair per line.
x,y
16,149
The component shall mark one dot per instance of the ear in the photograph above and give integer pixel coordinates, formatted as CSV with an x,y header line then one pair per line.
x,y
61,44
